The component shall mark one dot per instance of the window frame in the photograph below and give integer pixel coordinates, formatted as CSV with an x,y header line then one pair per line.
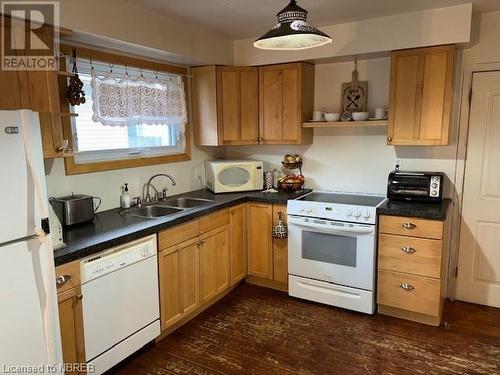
x,y
129,60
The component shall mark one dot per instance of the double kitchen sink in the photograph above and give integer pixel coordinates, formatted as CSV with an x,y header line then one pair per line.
x,y
165,208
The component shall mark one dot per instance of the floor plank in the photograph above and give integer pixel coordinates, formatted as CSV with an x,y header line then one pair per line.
x,y
255,330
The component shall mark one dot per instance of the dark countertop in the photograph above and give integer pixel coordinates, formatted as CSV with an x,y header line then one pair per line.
x,y
433,211
110,228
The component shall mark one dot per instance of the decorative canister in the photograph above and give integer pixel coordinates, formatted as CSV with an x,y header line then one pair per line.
x,y
268,180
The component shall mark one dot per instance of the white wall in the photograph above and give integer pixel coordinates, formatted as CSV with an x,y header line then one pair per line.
x,y
131,24
106,184
353,159
450,25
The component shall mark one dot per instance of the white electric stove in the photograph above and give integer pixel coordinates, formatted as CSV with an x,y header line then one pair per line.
x,y
331,249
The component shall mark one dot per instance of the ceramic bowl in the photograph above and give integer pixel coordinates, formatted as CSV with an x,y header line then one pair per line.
x,y
332,116
360,116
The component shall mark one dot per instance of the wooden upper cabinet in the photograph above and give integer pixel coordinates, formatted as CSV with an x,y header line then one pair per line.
x,y
225,105
421,93
286,99
38,91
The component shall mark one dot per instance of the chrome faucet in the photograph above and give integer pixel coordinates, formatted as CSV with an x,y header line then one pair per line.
x,y
147,198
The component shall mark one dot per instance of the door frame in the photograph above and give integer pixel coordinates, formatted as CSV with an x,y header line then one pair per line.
x,y
463,119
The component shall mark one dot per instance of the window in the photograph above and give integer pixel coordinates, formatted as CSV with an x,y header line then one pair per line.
x,y
103,139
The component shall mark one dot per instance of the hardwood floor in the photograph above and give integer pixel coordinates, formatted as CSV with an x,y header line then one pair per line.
x,y
255,330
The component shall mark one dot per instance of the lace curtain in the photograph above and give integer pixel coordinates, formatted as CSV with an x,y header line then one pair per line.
x,y
124,100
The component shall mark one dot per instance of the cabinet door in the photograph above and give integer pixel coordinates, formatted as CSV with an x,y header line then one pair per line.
x,y
260,244
286,94
179,282
71,324
38,91
420,96
237,229
10,85
238,90
280,249
214,263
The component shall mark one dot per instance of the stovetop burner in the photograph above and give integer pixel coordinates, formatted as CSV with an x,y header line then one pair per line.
x,y
352,199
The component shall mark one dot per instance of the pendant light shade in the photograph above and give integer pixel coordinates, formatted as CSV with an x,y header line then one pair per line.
x,y
292,31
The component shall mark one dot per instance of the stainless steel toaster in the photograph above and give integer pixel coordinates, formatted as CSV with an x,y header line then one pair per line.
x,y
74,209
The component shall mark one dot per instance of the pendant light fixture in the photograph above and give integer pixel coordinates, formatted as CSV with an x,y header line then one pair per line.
x,y
292,31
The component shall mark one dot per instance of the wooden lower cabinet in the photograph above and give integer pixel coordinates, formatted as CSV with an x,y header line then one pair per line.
x,y
238,243
214,263
194,265
71,325
280,249
179,282
260,241
412,263
267,256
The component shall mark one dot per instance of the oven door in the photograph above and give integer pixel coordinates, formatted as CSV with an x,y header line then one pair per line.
x,y
337,252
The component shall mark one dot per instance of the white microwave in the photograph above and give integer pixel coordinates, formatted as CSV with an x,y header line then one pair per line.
x,y
224,176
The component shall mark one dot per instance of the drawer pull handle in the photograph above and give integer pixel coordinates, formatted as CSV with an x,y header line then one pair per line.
x,y
409,226
61,280
79,296
408,250
407,287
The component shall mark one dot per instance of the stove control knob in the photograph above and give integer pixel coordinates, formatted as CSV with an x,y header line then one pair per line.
x,y
357,214
367,215
348,213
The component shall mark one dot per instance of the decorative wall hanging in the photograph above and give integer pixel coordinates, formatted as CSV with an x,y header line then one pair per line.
x,y
354,94
75,93
292,31
122,100
280,231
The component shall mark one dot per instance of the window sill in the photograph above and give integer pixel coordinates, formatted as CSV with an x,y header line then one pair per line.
x,y
73,168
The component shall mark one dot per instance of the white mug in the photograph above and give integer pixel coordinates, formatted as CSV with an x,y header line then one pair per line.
x,y
318,116
380,113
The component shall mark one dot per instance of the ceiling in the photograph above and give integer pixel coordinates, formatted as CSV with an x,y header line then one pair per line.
x,y
239,19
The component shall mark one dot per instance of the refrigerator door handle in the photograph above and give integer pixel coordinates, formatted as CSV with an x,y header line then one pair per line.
x,y
37,184
45,225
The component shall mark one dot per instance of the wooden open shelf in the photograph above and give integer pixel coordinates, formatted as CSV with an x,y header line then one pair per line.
x,y
345,124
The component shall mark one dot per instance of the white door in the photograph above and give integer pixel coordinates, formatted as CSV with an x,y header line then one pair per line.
x,y
478,278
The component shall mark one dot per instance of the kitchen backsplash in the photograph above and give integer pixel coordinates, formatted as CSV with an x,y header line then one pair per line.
x,y
107,184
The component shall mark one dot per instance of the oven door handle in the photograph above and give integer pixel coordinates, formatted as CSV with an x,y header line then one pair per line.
x,y
331,228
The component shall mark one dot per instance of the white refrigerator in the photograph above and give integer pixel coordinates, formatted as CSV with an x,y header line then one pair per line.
x,y
29,321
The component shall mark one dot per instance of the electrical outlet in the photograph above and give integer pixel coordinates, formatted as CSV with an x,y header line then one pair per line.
x,y
197,173
398,163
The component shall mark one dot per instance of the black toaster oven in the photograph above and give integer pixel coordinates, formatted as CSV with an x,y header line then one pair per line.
x,y
415,186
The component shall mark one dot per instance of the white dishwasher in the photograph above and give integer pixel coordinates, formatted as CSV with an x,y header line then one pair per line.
x,y
120,302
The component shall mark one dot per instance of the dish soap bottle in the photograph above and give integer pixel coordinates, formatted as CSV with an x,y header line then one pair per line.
x,y
125,198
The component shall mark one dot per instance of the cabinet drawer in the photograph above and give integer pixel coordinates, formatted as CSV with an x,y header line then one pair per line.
x,y
413,255
422,295
68,276
176,235
410,226
214,220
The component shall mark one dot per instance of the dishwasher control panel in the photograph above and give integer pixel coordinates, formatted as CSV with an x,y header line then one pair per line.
x,y
118,257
